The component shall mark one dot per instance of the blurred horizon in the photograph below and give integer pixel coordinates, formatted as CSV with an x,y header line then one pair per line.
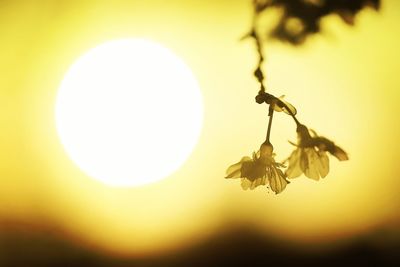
x,y
236,246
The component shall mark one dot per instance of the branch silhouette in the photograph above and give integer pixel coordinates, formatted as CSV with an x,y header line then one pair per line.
x,y
299,19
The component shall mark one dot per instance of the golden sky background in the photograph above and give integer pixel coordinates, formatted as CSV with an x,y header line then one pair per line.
x,y
344,83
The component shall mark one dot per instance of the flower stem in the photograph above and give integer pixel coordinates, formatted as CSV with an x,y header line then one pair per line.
x,y
271,115
258,73
291,114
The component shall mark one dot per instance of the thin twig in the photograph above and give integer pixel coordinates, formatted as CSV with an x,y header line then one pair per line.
x,y
271,115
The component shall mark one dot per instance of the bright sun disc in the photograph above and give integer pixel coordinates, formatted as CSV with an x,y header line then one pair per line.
x,y
129,112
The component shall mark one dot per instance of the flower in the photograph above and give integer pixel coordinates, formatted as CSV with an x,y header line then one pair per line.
x,y
310,156
261,169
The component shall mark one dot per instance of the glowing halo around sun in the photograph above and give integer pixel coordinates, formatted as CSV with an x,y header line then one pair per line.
x,y
129,112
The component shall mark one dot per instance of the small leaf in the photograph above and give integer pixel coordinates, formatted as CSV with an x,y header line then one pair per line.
x,y
340,154
282,105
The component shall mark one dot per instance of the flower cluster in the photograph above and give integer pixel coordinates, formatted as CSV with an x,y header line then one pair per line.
x,y
261,169
310,156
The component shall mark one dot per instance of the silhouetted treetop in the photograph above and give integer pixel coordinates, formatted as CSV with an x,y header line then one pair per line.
x,y
301,18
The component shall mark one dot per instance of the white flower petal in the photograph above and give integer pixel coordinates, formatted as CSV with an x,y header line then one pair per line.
x,y
234,171
277,182
257,182
309,166
246,183
322,164
294,169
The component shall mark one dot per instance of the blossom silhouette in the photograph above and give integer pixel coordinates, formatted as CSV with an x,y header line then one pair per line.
x,y
261,169
310,156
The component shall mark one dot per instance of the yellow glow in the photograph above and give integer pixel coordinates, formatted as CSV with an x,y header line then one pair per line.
x,y
344,83
129,112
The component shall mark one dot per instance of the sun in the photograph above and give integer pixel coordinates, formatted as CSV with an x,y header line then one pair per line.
x,y
129,112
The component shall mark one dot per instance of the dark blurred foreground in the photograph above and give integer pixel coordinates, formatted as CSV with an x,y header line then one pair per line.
x,y
30,246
